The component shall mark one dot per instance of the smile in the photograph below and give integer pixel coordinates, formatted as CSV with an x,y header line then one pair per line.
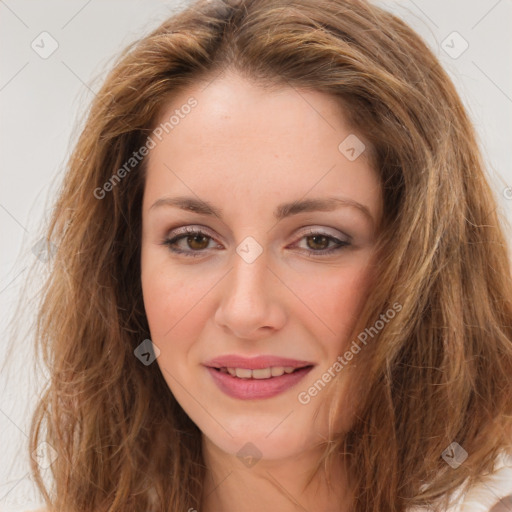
x,y
259,383
261,373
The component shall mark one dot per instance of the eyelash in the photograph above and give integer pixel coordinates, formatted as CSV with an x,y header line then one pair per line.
x,y
169,242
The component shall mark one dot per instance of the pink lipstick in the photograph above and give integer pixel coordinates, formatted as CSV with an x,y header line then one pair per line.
x,y
258,377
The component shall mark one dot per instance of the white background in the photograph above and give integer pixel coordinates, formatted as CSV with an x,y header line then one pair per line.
x,y
41,101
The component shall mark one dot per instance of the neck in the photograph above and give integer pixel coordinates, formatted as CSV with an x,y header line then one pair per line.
x,y
286,485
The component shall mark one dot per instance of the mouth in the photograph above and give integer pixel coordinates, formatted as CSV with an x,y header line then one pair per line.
x,y
257,384
260,373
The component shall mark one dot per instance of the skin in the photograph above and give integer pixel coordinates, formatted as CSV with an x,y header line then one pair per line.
x,y
246,150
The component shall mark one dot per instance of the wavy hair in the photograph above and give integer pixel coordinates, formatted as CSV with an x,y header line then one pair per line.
x,y
440,372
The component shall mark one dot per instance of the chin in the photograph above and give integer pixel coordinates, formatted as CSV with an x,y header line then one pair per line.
x,y
267,443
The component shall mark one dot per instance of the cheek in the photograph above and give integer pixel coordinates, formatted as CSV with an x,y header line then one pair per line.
x,y
170,307
175,300
173,322
160,301
336,296
165,293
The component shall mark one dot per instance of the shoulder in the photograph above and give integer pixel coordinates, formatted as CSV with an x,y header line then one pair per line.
x,y
494,492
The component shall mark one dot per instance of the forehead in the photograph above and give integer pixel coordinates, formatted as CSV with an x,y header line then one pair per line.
x,y
263,145
231,102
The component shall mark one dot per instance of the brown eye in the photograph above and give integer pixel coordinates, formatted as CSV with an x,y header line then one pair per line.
x,y
194,242
320,242
197,242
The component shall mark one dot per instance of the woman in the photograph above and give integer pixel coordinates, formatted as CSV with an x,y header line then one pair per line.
x,y
281,281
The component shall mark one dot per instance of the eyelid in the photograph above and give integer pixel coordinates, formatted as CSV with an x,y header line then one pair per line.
x,y
322,230
190,228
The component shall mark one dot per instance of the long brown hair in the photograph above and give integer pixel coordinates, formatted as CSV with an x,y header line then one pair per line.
x,y
440,372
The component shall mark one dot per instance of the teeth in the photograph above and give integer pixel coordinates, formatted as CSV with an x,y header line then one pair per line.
x,y
262,373
243,373
277,371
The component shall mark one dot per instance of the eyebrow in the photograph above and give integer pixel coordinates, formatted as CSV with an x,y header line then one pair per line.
x,y
282,211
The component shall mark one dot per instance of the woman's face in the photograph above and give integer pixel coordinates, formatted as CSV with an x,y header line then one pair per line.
x,y
258,280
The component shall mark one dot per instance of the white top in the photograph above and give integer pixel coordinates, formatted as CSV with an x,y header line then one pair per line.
x,y
485,496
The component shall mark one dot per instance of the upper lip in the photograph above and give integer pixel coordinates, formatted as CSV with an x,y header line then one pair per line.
x,y
255,363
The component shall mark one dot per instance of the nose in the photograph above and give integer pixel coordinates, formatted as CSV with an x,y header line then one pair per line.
x,y
251,304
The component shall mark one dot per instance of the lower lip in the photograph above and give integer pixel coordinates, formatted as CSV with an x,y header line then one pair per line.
x,y
254,389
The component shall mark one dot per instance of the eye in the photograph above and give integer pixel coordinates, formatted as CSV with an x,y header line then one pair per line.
x,y
197,242
196,239
317,243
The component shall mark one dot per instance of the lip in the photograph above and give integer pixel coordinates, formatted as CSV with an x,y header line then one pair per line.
x,y
255,363
254,389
